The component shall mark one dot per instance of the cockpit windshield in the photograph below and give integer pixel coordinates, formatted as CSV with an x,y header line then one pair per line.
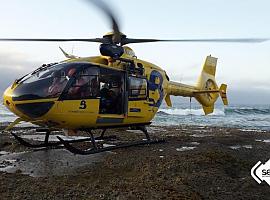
x,y
41,73
47,82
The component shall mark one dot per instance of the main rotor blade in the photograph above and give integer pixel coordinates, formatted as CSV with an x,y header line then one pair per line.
x,y
100,4
228,40
101,40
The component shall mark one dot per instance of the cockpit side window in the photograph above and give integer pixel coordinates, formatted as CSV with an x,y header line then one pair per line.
x,y
85,85
59,81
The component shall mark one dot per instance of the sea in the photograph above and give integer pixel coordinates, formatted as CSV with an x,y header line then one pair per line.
x,y
247,117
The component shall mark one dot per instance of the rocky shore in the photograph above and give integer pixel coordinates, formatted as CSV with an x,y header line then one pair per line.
x,y
194,163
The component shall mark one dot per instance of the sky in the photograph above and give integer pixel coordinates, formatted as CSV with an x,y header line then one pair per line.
x,y
244,67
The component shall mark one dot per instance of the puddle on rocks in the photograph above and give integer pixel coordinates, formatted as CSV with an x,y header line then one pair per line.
x,y
181,129
52,162
202,131
265,141
195,143
149,129
241,146
185,148
52,138
252,130
134,131
161,156
201,127
160,150
156,129
200,135
3,153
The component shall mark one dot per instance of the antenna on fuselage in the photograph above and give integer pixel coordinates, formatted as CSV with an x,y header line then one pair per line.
x,y
67,55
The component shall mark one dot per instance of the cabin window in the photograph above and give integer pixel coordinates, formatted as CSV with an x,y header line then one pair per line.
x,y
85,84
137,88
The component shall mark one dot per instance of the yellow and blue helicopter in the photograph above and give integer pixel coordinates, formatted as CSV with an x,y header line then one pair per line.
x,y
115,89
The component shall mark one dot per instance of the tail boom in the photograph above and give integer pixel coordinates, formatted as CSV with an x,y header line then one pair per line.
x,y
206,92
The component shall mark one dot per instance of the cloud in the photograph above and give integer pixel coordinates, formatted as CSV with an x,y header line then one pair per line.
x,y
249,96
14,64
16,60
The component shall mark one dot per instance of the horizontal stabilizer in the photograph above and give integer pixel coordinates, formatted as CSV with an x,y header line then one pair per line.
x,y
223,93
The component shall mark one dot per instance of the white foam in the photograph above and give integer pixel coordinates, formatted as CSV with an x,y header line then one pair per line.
x,y
197,112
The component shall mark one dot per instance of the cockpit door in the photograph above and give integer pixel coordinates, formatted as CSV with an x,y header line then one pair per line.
x,y
112,92
79,103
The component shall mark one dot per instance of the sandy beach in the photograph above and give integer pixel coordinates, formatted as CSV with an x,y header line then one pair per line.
x,y
194,163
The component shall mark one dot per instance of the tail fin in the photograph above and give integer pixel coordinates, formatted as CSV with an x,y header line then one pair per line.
x,y
208,90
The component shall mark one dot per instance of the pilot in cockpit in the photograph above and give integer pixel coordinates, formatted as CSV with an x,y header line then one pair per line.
x,y
58,84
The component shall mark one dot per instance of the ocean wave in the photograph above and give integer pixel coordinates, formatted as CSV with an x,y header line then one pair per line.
x,y
247,111
217,111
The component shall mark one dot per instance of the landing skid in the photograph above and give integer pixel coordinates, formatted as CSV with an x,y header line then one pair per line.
x,y
92,139
97,149
74,150
46,142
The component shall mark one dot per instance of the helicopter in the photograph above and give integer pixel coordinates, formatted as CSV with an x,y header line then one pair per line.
x,y
112,90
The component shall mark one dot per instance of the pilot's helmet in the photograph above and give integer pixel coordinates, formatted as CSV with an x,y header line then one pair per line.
x,y
71,72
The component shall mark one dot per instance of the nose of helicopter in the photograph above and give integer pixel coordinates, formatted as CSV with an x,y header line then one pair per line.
x,y
9,103
7,99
